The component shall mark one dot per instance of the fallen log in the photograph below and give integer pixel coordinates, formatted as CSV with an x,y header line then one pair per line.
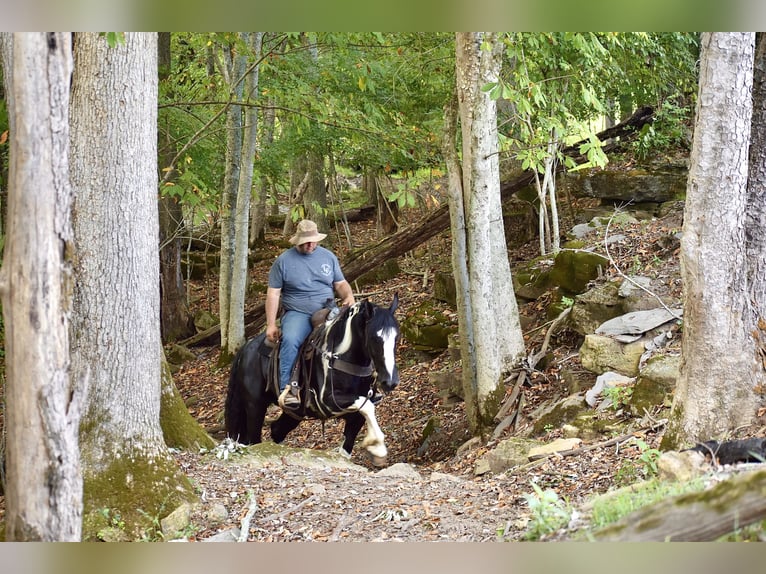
x,y
698,517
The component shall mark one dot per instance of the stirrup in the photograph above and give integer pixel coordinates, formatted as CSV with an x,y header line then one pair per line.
x,y
289,398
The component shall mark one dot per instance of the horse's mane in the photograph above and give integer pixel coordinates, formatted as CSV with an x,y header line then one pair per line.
x,y
379,318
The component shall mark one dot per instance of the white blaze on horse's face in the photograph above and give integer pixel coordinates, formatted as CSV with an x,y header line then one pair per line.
x,y
388,336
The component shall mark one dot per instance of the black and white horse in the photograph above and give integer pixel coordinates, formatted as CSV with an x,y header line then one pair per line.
x,y
342,365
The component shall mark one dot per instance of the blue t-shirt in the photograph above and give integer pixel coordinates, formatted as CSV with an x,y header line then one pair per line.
x,y
306,281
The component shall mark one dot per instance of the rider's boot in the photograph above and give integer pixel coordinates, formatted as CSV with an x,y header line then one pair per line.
x,y
290,398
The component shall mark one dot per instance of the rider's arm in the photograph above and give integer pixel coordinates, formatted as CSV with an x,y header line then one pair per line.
x,y
343,289
272,307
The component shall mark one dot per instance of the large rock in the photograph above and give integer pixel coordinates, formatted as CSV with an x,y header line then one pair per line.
x,y
654,184
600,354
573,269
508,454
610,300
655,383
427,328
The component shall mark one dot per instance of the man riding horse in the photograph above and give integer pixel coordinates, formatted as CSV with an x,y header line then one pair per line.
x,y
302,278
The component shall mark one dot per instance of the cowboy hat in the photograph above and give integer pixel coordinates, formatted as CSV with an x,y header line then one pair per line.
x,y
306,232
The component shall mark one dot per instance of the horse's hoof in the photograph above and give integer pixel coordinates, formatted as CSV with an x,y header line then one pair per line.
x,y
378,461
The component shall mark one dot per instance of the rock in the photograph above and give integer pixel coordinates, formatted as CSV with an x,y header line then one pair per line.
x,y
444,288
570,431
175,523
603,382
230,535
656,184
427,328
594,307
599,354
638,322
509,453
400,470
655,383
557,413
204,320
217,513
558,445
573,269
681,466
383,272
450,385
178,354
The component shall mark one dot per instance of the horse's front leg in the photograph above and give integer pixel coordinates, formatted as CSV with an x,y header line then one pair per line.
x,y
374,439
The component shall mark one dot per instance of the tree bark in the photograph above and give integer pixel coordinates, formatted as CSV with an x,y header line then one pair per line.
x,y
115,321
719,368
44,486
239,260
175,319
234,69
497,337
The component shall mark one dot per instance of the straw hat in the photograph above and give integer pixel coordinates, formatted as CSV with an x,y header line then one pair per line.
x,y
306,232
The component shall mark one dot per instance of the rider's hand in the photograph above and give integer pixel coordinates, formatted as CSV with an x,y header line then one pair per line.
x,y
272,333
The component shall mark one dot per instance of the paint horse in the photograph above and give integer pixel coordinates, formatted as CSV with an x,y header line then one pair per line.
x,y
342,366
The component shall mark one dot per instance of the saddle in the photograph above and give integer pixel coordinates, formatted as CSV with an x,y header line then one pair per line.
x,y
304,359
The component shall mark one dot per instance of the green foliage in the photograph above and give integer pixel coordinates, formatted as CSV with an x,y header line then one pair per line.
x,y
670,130
619,395
113,39
549,512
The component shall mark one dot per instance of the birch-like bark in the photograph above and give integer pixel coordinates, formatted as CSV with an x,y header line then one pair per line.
x,y
715,388
236,331
498,341
234,69
44,486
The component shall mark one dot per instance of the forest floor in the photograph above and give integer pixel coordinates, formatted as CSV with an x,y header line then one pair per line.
x,y
441,497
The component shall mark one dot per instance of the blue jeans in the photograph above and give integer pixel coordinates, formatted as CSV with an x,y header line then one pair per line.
x,y
296,326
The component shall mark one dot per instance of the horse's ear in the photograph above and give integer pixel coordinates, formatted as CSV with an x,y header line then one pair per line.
x,y
394,303
366,308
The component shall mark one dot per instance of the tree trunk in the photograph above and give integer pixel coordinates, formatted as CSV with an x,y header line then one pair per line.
x,y
719,368
259,217
497,336
44,486
175,319
238,287
459,238
756,211
115,316
234,69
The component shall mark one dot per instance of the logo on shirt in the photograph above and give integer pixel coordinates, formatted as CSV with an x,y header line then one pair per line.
x,y
326,269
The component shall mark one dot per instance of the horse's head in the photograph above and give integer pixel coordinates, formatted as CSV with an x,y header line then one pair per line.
x,y
382,338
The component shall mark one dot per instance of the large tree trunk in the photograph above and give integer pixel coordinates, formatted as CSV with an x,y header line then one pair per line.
x,y
115,318
44,486
498,342
719,367
756,209
175,319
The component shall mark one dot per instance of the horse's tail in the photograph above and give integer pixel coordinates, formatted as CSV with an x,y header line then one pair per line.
x,y
235,416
